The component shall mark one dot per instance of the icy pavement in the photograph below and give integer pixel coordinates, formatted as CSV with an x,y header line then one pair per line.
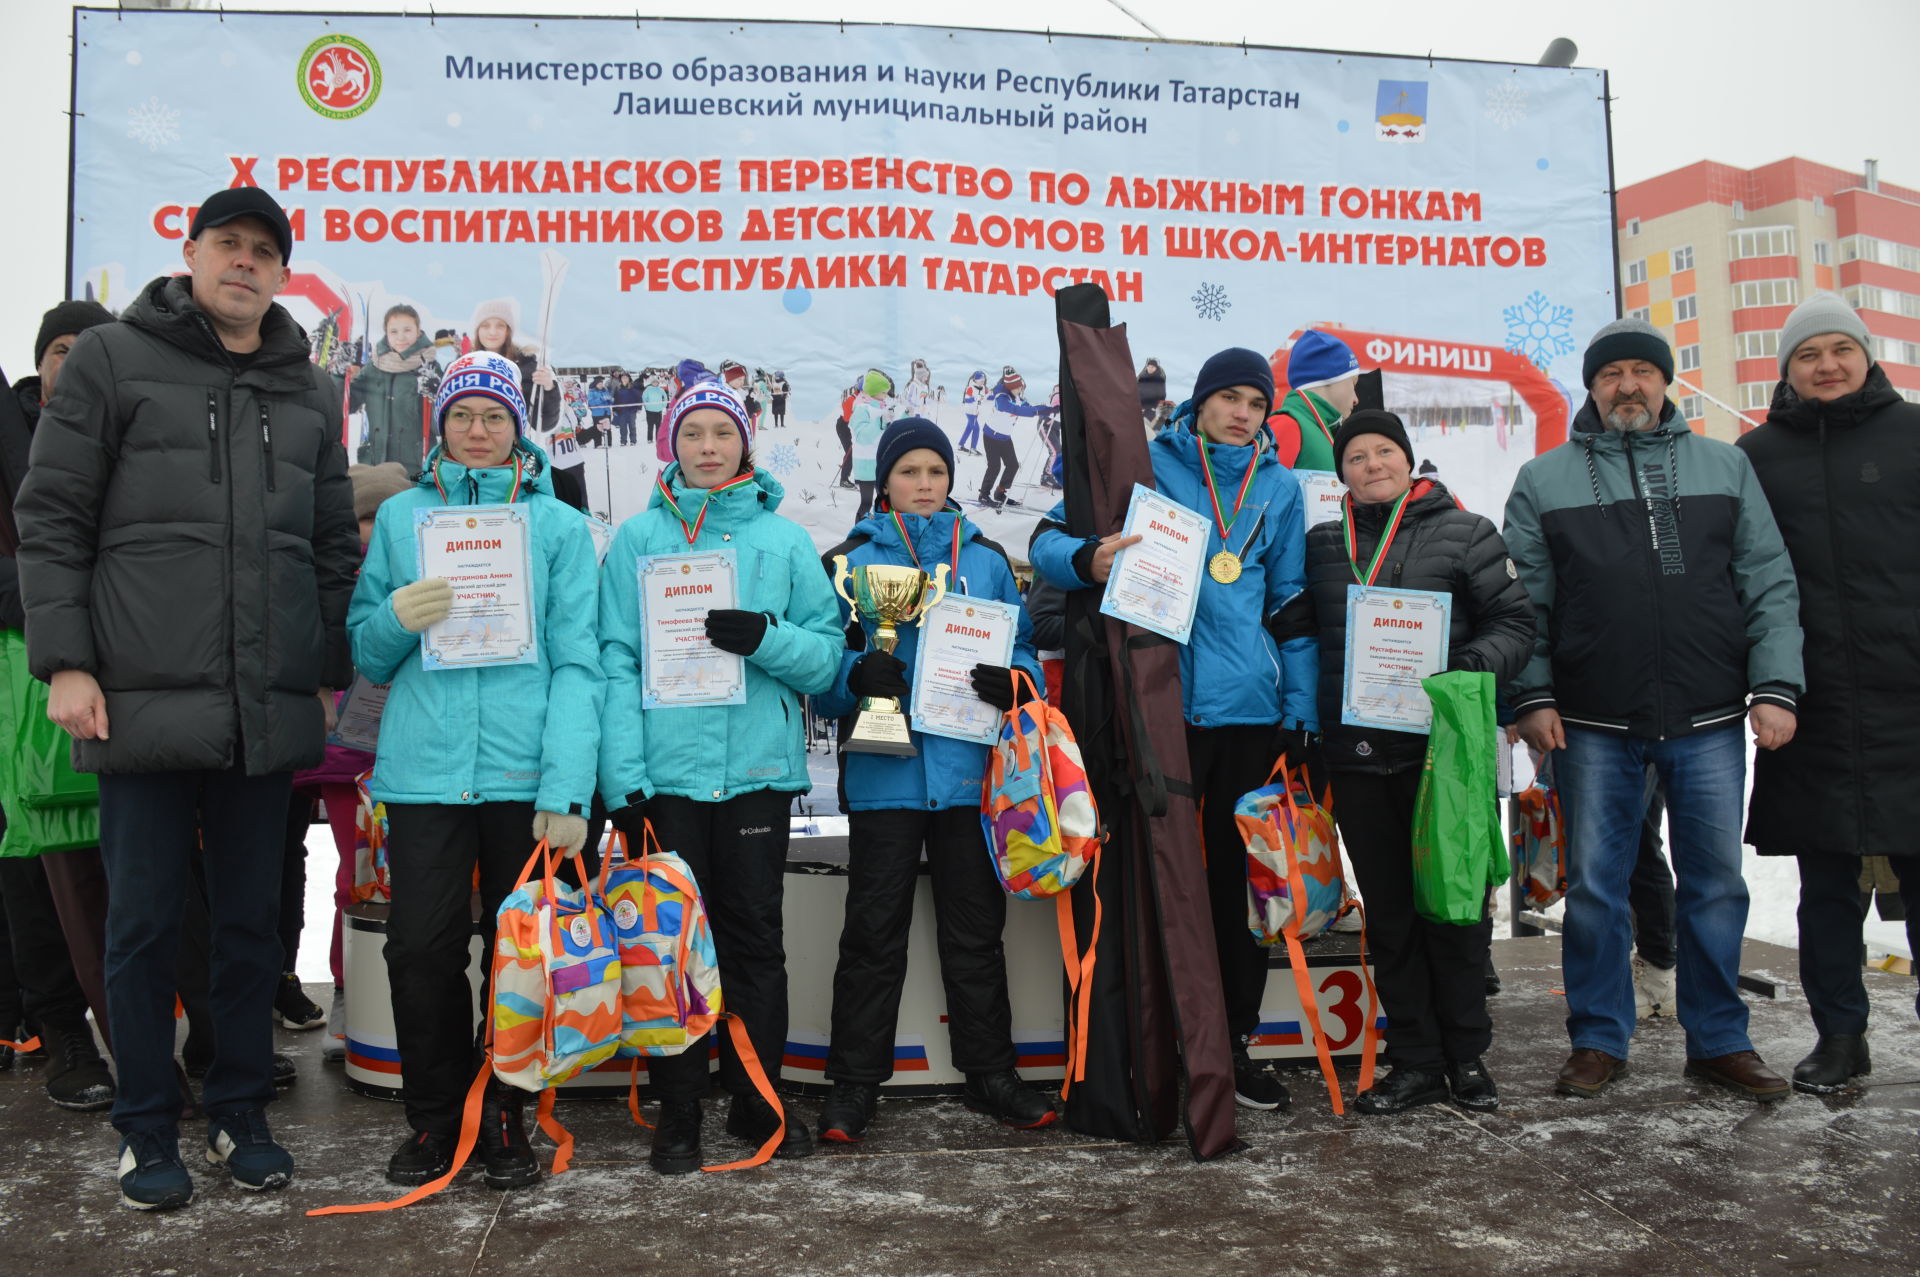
x,y
1663,1175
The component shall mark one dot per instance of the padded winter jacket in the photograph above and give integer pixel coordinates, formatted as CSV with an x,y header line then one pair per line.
x,y
394,407
1439,547
715,752
188,537
1232,672
1662,593
502,733
946,772
1843,481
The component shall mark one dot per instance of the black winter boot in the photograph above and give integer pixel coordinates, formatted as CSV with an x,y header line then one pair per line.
x,y
750,1119
1007,1099
77,1077
1835,1059
421,1158
676,1138
847,1112
504,1150
1473,1087
1401,1090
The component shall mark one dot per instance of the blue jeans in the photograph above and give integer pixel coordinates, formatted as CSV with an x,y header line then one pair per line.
x,y
152,825
1603,790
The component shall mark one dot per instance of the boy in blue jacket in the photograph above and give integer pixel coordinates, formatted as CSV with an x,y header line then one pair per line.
x,y
474,764
1237,685
897,806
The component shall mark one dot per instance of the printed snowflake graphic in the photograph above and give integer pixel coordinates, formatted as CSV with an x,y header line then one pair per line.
x,y
1539,329
154,124
1506,105
783,458
1211,302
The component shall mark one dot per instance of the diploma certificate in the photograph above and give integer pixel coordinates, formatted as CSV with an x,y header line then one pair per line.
x,y
1395,638
485,551
1156,584
358,724
1320,494
957,634
679,666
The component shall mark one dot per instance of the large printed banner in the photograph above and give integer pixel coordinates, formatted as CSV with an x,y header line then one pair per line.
x,y
811,207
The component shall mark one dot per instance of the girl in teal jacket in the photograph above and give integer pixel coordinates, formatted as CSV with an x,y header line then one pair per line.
x,y
716,781
474,764
899,806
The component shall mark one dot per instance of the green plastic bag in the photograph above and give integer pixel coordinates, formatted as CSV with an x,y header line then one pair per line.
x,y
49,806
1459,848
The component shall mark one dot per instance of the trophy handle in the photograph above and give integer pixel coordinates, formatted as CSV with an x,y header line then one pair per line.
x,y
935,591
841,575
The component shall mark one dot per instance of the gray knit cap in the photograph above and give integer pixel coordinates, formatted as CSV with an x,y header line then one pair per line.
x,y
1626,339
1819,314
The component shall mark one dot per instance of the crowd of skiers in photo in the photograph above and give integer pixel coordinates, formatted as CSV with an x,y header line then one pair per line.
x,y
198,573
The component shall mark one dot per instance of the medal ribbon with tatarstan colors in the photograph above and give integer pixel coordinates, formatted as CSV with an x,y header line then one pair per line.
x,y
1222,520
908,542
1386,538
692,526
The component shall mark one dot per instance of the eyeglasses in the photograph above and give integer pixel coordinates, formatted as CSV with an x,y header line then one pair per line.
x,y
496,420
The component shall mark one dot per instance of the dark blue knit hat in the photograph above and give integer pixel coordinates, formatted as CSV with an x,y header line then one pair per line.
x,y
902,437
1234,366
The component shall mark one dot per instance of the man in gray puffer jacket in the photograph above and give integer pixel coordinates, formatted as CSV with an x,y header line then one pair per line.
x,y
187,551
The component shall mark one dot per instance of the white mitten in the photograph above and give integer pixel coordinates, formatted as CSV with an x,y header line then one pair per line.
x,y
565,834
419,605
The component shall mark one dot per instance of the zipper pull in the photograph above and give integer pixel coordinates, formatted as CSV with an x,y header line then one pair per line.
x,y
266,441
213,438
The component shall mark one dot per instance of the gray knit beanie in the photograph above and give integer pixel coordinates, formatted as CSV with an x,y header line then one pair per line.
x,y
1626,339
1819,314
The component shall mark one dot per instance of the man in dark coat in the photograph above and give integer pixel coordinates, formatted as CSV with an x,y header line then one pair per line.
x,y
1839,458
187,552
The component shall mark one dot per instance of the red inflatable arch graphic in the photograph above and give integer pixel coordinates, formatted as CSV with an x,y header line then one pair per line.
x,y
1429,357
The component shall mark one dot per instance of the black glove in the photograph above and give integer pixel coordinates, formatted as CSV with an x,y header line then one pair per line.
x,y
732,630
994,685
878,674
629,820
1297,743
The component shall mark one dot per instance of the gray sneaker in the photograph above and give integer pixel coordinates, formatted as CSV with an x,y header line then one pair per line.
x,y
334,1049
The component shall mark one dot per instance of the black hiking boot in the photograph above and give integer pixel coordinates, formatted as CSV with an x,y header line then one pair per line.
x,y
749,1118
1007,1099
676,1138
1835,1060
1401,1090
505,1154
421,1158
847,1112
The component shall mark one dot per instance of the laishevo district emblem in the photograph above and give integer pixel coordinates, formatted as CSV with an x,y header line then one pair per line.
x,y
339,77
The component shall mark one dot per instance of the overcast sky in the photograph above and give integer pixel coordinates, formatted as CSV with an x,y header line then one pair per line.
x,y
1743,83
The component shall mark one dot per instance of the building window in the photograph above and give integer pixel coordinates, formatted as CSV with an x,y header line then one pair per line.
x,y
1689,358
1644,313
1690,408
1685,308
1909,354
1906,257
1768,241
1910,305
1865,297
1766,292
1739,210
1637,271
1822,253
1755,394
1764,345
1860,248
1683,258
1633,226
1911,396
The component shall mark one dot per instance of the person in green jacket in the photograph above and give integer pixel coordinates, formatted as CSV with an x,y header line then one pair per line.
x,y
388,390
1322,374
716,780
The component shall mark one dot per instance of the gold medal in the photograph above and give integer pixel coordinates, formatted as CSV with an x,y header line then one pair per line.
x,y
1224,567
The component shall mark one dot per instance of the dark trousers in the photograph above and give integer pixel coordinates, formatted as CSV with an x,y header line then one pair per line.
x,y
1228,763
1431,975
1832,910
970,913
78,883
293,878
40,973
570,485
432,850
1650,889
844,433
149,826
737,849
1001,461
653,424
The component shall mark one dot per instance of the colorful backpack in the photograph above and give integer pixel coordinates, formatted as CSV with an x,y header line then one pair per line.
x,y
670,996
369,845
1295,892
1540,842
1043,830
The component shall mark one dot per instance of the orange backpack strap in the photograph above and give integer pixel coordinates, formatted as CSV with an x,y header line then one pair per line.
x,y
562,1138
1297,958
757,1073
1079,978
30,1045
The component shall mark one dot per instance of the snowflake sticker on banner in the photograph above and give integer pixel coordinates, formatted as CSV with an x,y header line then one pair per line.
x,y
1211,302
782,458
1506,104
1539,329
154,124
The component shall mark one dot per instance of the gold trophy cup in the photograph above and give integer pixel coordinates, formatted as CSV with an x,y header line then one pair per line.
x,y
889,597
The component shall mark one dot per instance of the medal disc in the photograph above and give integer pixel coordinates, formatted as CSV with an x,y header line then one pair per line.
x,y
1224,567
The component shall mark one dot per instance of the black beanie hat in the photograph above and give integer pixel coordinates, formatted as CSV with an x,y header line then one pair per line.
x,y
68,317
1368,421
1626,339
1234,366
902,437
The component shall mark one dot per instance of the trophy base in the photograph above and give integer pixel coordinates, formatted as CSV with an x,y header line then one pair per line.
x,y
878,732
